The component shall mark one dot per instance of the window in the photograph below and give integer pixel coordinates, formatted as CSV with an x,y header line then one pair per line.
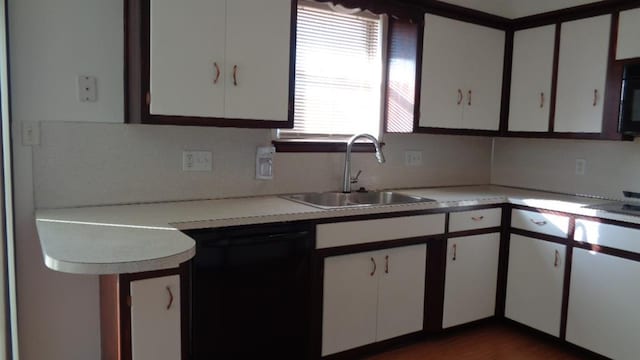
x,y
338,73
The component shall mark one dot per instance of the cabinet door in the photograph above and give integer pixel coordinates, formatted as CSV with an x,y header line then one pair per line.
x,y
443,72
603,311
628,45
582,71
350,301
401,291
471,279
187,45
534,283
485,61
461,75
531,74
155,319
258,46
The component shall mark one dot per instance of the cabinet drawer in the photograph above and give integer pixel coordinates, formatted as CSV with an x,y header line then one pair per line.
x,y
475,219
550,224
366,231
617,237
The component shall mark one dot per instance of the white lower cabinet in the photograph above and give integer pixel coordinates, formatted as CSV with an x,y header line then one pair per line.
x,y
535,282
471,278
372,296
155,318
603,311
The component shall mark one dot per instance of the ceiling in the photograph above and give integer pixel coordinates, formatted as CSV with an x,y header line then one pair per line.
x,y
517,8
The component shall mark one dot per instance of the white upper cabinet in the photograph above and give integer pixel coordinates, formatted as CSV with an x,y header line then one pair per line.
x,y
219,58
258,47
187,44
628,34
462,67
531,77
582,71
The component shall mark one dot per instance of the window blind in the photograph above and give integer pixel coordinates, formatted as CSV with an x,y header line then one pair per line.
x,y
338,73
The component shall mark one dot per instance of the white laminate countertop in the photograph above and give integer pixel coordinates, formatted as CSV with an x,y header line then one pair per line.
x,y
146,237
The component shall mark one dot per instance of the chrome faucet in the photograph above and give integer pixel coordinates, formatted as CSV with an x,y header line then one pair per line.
x,y
346,181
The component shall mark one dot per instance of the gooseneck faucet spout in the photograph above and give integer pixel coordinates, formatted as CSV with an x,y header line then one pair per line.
x,y
346,181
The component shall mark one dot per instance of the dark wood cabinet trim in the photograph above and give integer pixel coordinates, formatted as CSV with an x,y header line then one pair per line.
x,y
554,79
310,146
435,282
506,82
568,258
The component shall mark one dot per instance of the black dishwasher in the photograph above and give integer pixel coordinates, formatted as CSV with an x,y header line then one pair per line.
x,y
250,292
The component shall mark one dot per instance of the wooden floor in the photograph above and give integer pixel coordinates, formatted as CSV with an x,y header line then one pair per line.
x,y
488,341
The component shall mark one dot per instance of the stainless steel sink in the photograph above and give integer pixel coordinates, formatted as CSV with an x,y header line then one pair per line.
x,y
333,200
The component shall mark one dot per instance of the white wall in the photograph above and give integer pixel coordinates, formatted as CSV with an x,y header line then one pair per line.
x,y
51,42
518,8
87,156
612,166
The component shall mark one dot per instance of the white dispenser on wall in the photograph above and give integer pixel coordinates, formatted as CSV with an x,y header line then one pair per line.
x,y
264,162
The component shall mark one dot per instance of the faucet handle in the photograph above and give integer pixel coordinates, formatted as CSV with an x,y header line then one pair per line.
x,y
354,179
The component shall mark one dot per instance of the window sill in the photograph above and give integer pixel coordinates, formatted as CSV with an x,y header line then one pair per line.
x,y
320,146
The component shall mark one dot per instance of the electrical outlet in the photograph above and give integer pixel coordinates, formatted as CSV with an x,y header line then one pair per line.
x,y
30,133
581,166
87,88
197,161
413,158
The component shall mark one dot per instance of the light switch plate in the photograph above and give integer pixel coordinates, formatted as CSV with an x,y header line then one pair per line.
x,y
197,161
87,88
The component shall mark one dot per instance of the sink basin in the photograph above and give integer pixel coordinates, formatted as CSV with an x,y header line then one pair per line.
x,y
333,200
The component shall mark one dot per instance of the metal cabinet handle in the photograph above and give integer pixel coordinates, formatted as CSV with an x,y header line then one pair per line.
x,y
460,96
469,103
217,67
477,218
541,100
556,261
539,223
374,267
386,264
170,298
595,97
235,75
455,252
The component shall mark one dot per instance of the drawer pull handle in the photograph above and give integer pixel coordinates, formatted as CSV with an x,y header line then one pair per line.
x,y
595,97
556,261
386,264
469,103
460,96
215,81
455,252
374,267
170,298
539,223
477,218
235,75
541,100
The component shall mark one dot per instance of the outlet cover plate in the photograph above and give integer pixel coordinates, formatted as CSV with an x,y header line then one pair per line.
x,y
197,161
413,158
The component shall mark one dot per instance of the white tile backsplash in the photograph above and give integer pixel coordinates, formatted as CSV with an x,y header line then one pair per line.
x,y
87,164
